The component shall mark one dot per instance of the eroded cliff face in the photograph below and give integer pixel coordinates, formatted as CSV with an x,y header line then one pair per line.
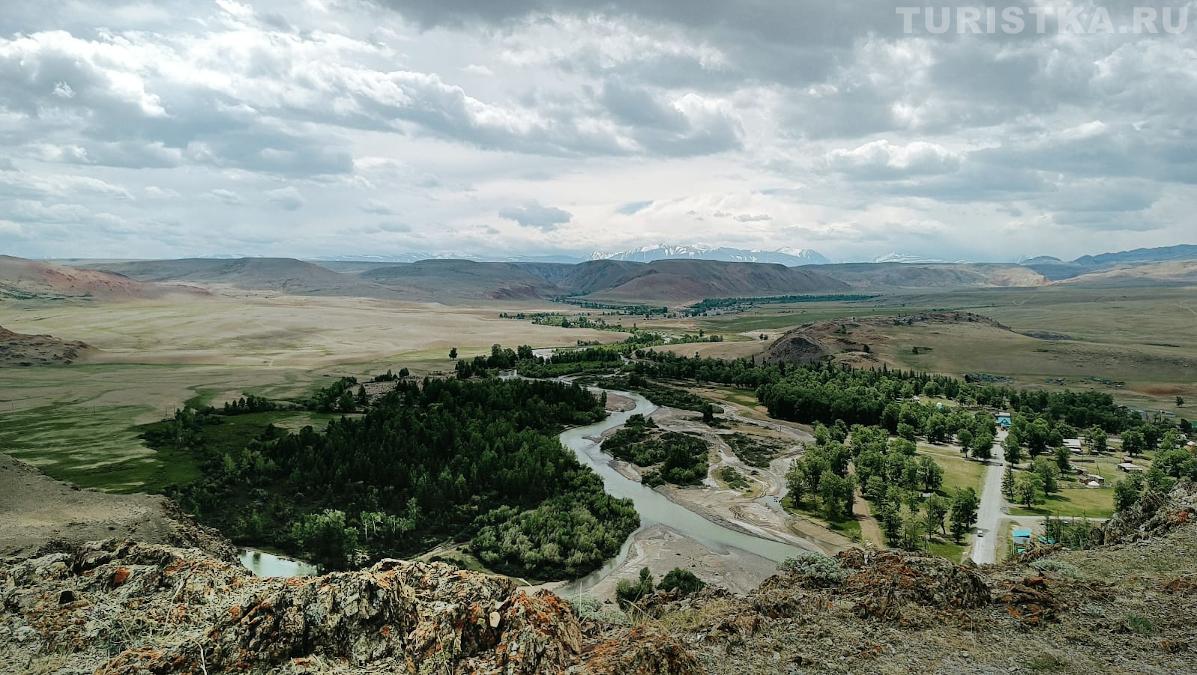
x,y
126,607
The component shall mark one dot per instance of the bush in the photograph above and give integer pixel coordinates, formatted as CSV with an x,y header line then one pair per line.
x,y
590,608
816,569
629,592
681,580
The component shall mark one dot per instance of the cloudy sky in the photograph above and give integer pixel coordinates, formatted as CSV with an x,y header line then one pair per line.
x,y
166,128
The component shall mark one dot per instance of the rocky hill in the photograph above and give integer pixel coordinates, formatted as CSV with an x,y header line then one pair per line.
x,y
125,607
22,279
18,349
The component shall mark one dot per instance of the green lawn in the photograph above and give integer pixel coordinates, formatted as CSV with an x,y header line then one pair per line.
x,y
1073,499
849,527
946,548
958,472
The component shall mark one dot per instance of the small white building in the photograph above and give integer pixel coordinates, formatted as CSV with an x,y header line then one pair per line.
x,y
1130,467
1073,445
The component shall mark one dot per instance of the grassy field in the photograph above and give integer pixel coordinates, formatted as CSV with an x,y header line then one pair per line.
x,y
79,422
1135,343
769,317
1074,499
958,471
849,527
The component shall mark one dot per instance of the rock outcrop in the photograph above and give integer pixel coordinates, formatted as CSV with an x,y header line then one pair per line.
x,y
122,607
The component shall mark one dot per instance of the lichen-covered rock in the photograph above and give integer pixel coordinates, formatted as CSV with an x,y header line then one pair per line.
x,y
643,650
1154,514
120,607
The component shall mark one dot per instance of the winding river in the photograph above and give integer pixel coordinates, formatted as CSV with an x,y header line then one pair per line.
x,y
655,508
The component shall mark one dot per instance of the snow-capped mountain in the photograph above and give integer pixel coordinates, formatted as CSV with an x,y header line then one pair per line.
x,y
416,256
905,258
783,256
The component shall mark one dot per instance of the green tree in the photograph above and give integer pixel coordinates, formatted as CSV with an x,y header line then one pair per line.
x,y
835,495
982,447
1127,491
1013,450
327,538
1133,442
937,507
1028,489
453,352
1180,402
1049,474
965,438
930,474
1008,483
963,512
1064,460
1096,439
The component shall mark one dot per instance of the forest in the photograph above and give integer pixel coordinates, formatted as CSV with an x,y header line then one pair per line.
x,y
430,462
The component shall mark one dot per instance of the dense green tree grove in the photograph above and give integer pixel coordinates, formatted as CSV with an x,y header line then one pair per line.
x,y
475,461
677,458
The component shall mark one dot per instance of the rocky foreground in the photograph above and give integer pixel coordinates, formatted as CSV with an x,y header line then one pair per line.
x,y
126,607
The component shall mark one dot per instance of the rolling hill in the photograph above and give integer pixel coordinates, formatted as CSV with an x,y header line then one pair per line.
x,y
30,279
685,281
887,276
461,279
1142,259
285,275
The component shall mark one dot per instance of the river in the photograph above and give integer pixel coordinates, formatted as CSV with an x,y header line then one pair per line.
x,y
655,508
265,564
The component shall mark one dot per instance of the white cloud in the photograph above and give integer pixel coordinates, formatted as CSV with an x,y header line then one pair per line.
x,y
747,124
883,159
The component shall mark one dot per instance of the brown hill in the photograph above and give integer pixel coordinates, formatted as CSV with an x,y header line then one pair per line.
x,y
848,339
18,349
1172,273
686,281
31,279
285,275
887,276
447,280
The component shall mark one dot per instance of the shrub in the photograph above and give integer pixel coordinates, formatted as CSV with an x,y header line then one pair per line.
x,y
682,580
817,569
629,592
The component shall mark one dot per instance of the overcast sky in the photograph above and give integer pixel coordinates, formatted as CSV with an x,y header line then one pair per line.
x,y
167,128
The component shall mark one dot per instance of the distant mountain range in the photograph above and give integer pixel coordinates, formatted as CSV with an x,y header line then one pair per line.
x,y
783,256
1057,270
672,281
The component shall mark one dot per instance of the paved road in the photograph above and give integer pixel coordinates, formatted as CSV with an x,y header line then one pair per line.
x,y
992,509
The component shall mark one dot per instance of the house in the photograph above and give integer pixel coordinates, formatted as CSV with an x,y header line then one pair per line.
x,y
1003,420
1020,538
1073,445
1095,478
1131,468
